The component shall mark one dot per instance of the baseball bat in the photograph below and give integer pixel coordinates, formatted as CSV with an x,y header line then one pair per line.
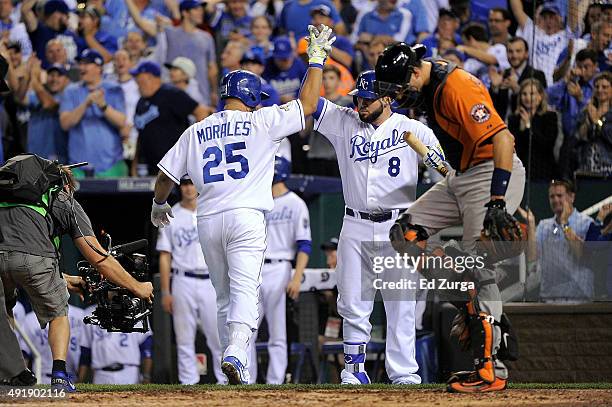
x,y
421,149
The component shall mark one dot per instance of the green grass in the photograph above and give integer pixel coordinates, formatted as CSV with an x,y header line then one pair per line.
x,y
85,388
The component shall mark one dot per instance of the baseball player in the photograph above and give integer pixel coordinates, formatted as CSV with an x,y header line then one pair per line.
x,y
487,180
115,357
379,175
40,339
230,158
192,301
288,229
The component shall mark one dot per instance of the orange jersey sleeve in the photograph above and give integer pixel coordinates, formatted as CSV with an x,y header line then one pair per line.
x,y
464,109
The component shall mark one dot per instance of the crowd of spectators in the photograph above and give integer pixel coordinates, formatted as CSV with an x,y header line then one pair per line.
x,y
116,82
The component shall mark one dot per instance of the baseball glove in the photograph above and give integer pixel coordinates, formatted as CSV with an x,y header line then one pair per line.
x,y
502,236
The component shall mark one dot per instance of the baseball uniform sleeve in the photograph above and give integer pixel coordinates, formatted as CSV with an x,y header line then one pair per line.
x,y
281,121
330,119
424,133
164,242
302,227
174,163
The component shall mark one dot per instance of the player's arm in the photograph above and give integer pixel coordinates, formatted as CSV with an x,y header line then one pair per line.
x,y
146,354
519,12
165,261
503,150
28,16
301,261
146,25
84,364
319,48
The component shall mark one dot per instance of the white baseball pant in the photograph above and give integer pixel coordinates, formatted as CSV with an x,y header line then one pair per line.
x,y
194,305
355,305
128,375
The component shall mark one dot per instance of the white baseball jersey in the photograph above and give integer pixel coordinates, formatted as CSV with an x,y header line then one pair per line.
x,y
40,339
287,223
546,49
229,156
108,348
181,239
378,169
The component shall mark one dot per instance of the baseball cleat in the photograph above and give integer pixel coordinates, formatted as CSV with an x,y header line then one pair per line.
x,y
470,382
354,378
25,378
62,381
234,370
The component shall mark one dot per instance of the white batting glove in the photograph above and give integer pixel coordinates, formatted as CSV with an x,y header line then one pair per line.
x,y
319,44
160,214
434,157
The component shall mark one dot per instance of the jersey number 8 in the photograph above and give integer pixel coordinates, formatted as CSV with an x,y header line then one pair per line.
x,y
394,166
230,158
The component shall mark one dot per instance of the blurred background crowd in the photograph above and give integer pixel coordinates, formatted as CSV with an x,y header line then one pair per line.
x,y
116,82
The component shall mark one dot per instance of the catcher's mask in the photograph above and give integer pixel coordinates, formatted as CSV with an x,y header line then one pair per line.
x,y
394,69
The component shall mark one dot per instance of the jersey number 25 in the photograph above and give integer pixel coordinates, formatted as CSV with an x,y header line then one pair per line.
x,y
230,158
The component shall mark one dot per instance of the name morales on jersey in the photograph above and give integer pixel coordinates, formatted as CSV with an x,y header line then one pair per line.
x,y
362,149
229,129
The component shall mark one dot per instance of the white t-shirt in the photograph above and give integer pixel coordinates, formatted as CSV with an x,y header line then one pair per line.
x,y
229,156
379,170
287,223
180,238
547,48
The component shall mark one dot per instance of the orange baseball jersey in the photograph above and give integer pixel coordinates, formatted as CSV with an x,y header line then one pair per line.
x,y
464,110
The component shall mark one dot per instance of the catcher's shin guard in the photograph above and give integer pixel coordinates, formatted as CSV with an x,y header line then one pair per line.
x,y
481,335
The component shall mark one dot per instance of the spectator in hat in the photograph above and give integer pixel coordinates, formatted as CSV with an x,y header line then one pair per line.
x,y
54,24
186,40
387,19
123,64
445,35
11,31
283,70
551,35
254,61
342,50
231,22
45,135
93,112
91,36
295,17
261,33
231,56
162,115
182,75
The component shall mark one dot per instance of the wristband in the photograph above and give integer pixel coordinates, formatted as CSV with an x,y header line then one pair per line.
x,y
157,203
499,181
315,65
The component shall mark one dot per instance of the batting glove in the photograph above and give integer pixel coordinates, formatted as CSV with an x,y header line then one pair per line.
x,y
434,157
319,44
160,214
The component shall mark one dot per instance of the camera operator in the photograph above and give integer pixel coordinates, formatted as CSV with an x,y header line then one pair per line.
x,y
28,258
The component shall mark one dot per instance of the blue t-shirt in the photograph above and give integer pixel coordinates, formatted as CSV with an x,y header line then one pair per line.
x,y
419,19
397,22
105,39
226,23
45,135
115,20
43,34
285,82
94,139
344,44
296,17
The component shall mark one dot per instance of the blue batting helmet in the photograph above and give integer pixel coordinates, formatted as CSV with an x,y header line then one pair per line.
x,y
243,85
365,87
282,169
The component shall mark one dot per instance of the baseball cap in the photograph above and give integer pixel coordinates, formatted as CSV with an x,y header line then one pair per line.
x,y
55,5
282,48
331,244
184,64
92,11
90,56
253,54
61,69
550,8
321,9
146,67
189,4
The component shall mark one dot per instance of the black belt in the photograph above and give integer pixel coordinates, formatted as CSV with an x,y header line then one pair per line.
x,y
373,217
191,274
115,367
269,261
